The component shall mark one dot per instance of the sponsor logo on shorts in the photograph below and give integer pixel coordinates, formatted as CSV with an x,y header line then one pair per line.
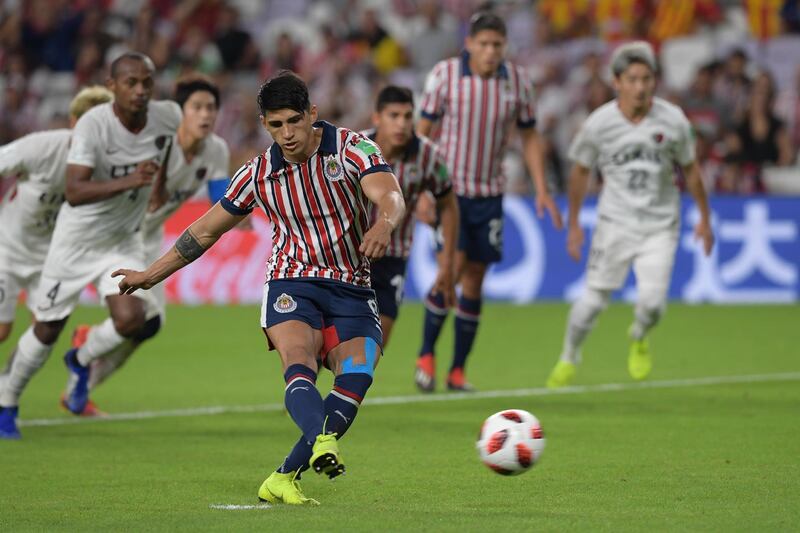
x,y
373,305
284,304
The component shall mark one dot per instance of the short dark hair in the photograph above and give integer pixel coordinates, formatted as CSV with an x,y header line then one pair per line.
x,y
486,20
393,94
130,56
186,88
285,90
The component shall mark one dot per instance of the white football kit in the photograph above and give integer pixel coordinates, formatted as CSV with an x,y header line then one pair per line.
x,y
91,241
638,213
28,211
184,179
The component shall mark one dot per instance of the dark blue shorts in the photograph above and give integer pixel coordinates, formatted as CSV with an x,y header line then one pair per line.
x,y
388,279
339,310
480,234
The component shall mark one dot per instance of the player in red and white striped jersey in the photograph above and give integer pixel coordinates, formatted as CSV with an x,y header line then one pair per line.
x,y
420,168
478,97
314,183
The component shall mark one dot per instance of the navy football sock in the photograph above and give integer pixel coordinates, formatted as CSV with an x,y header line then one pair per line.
x,y
303,401
341,407
435,316
468,316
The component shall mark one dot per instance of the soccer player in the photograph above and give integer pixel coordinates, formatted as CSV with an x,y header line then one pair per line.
x,y
198,157
635,141
419,167
29,209
478,97
314,184
113,159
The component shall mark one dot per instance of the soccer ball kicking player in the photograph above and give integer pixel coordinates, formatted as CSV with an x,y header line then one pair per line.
x,y
478,97
28,214
113,159
419,168
635,141
198,157
314,184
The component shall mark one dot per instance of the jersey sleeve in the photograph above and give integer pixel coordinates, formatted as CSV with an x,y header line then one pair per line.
x,y
16,157
240,198
434,92
685,144
438,178
583,149
526,115
362,156
86,140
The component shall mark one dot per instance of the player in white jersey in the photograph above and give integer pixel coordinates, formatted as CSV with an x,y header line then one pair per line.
x,y
113,159
28,210
636,142
479,97
198,158
314,184
420,168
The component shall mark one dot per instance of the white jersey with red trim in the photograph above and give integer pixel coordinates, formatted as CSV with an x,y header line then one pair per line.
x,y
319,212
477,114
421,168
637,162
28,210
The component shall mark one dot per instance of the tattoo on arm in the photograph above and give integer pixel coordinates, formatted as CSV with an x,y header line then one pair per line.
x,y
188,247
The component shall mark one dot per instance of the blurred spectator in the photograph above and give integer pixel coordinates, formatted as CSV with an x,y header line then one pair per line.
x,y
49,34
432,35
566,18
790,13
709,115
619,20
287,57
235,45
733,85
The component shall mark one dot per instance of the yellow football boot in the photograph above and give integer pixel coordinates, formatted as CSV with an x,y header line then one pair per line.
x,y
562,375
640,362
283,488
326,458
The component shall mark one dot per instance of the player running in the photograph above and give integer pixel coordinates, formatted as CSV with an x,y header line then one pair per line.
x,y
29,209
198,157
314,184
419,167
113,159
636,141
478,97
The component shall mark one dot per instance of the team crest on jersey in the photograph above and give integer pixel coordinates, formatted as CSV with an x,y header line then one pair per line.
x,y
658,137
333,170
284,304
201,173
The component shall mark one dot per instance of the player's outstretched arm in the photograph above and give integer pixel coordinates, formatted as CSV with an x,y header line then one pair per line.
x,y
447,206
694,183
81,189
576,191
534,159
382,190
197,238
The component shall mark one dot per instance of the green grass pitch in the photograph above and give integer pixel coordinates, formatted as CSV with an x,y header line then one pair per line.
x,y
716,457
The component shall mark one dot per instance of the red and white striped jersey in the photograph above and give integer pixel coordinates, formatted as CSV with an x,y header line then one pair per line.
x,y
319,212
421,168
477,114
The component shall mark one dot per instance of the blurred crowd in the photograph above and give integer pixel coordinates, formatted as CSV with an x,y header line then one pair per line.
x,y
733,65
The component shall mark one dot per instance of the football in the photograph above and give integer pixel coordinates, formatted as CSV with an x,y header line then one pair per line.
x,y
511,442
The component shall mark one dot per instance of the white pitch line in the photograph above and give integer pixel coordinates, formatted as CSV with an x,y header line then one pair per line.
x,y
238,507
428,398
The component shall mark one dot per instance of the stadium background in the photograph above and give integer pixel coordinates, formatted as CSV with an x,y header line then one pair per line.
x,y
723,62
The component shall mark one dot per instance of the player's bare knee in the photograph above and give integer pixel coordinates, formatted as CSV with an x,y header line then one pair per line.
x,y
297,354
355,356
128,320
48,332
5,330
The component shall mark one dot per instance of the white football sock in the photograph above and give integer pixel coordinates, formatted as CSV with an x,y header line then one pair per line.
x,y
102,339
30,355
103,367
581,320
648,311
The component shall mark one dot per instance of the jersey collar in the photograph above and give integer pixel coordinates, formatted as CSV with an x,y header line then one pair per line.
x,y
502,70
327,145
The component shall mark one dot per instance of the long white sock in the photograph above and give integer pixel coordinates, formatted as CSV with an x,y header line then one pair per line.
x,y
30,355
102,339
646,314
581,320
103,367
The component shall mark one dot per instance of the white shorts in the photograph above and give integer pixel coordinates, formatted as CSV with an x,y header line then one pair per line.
x,y
157,306
615,247
18,273
69,268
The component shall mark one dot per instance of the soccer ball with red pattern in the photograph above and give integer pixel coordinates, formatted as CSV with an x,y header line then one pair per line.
x,y
511,441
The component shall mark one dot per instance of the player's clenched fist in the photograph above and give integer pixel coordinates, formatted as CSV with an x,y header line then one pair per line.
x,y
131,281
144,174
376,240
